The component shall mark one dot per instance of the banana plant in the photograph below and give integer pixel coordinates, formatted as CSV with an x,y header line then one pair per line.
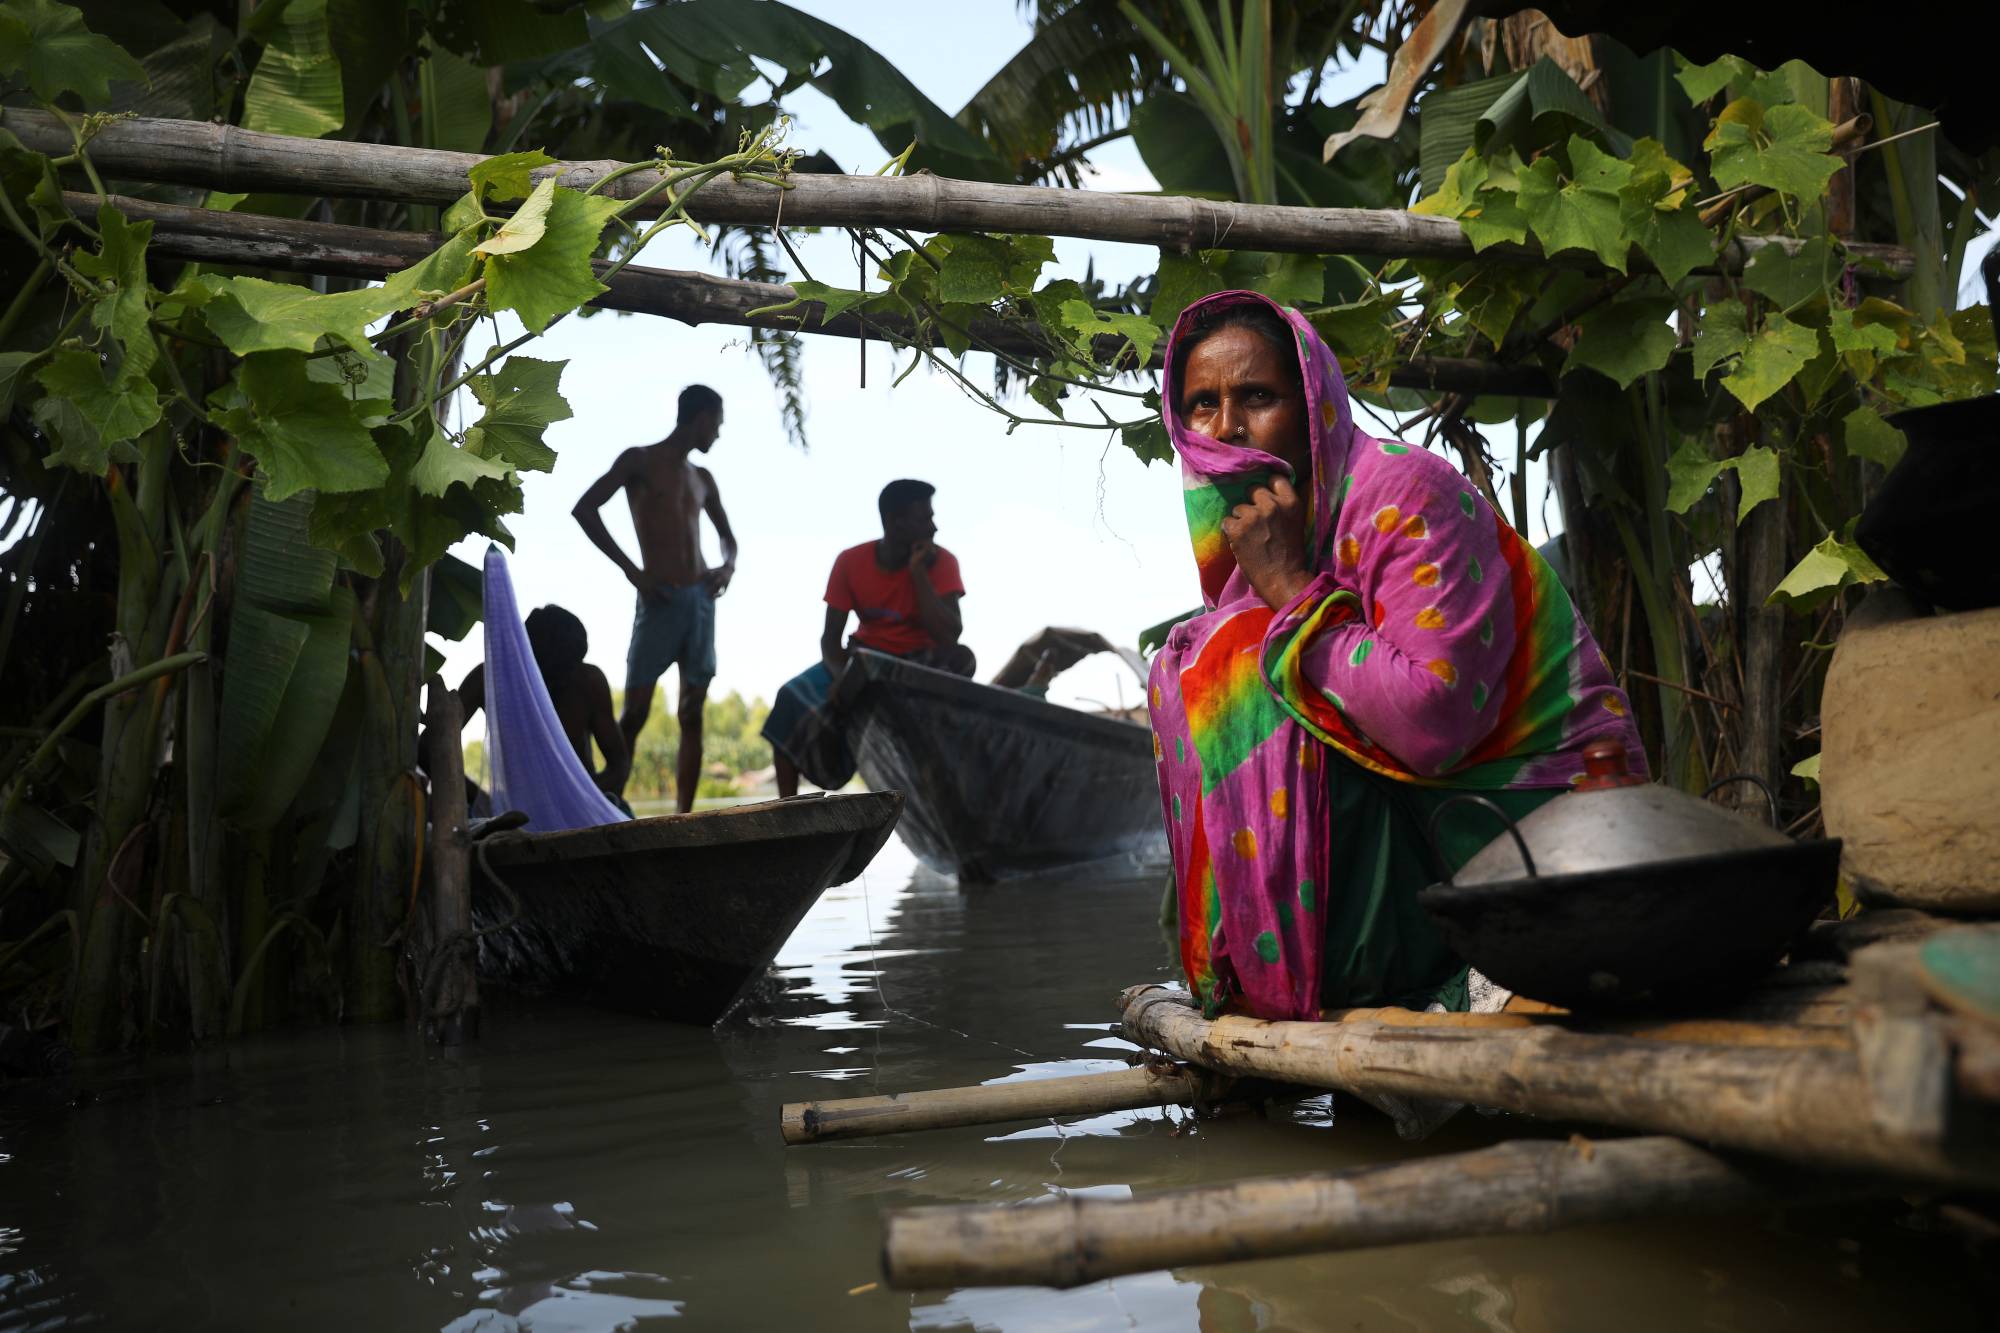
x,y
1230,80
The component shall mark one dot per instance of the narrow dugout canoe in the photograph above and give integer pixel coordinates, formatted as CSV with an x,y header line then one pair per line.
x,y
671,917
999,783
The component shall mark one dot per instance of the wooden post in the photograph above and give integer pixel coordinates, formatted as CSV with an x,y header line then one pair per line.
x,y
989,1104
225,157
1805,1103
448,978
1518,1188
1761,564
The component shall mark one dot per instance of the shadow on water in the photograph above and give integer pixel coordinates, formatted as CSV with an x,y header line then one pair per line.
x,y
578,1170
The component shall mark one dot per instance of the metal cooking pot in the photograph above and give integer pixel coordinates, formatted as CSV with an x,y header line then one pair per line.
x,y
1626,894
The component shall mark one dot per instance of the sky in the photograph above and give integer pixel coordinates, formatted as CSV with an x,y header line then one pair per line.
x,y
1050,526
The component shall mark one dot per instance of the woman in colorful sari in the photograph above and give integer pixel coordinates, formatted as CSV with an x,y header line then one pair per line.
x,y
1375,639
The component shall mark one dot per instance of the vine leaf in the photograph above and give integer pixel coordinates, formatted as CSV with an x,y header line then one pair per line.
x,y
1293,280
1654,210
254,315
296,88
1490,300
528,225
124,309
1690,472
1358,329
1757,478
60,54
1790,279
304,434
508,176
1867,435
553,276
1701,82
1831,565
1582,211
11,366
521,402
1625,340
1778,352
1088,323
1495,216
1482,198
1148,441
442,271
1048,303
1724,334
971,270
1182,280
88,413
443,465
1782,148
92,407
1849,335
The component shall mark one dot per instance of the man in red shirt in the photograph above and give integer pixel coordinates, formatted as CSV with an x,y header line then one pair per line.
x,y
903,590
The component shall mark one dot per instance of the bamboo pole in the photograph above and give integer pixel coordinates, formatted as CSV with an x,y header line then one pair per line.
x,y
253,240
448,995
989,1104
1519,1188
224,157
1804,1103
1699,1031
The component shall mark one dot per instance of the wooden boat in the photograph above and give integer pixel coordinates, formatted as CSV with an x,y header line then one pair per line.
x,y
998,783
672,917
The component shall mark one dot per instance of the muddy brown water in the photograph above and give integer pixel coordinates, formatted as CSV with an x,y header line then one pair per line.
x,y
581,1171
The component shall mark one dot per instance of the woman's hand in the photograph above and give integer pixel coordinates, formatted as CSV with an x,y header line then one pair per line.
x,y
1267,533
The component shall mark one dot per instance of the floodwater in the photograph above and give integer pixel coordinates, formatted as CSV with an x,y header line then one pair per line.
x,y
578,1171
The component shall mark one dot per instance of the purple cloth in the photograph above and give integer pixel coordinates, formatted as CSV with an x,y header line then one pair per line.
x,y
535,769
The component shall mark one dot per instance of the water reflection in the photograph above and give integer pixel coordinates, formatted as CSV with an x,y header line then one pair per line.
x,y
580,1171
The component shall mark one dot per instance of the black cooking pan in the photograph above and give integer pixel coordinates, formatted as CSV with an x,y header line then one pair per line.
x,y
1678,932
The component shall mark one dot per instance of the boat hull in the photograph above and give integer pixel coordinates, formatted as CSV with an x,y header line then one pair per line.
x,y
671,917
997,783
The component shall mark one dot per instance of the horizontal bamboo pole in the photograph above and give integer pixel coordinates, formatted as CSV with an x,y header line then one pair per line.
x,y
1701,1031
1519,1188
223,157
989,1104
1802,1103
214,236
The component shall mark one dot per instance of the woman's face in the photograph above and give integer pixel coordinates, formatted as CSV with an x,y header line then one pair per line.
x,y
1237,388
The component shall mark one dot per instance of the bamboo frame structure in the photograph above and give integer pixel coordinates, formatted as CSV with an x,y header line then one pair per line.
x,y
224,157
1804,1103
214,236
1523,1187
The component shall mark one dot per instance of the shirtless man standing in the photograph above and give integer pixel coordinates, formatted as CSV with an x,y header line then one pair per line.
x,y
675,620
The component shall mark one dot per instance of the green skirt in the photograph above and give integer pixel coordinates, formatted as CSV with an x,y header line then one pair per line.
x,y
1381,948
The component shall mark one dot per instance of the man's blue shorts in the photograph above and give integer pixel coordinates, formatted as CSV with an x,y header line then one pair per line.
x,y
673,627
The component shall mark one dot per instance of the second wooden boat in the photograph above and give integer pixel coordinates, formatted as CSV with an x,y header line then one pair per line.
x,y
999,783
674,916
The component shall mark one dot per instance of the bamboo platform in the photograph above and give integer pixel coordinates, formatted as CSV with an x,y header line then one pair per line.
x,y
1840,1077
1820,1085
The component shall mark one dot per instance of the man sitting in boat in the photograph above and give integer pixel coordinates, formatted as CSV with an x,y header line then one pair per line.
x,y
903,590
579,691
1374,639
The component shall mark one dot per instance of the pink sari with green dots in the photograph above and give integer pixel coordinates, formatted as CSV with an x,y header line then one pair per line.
x,y
1433,647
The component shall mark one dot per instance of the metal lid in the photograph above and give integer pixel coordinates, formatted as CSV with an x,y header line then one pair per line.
x,y
1612,821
